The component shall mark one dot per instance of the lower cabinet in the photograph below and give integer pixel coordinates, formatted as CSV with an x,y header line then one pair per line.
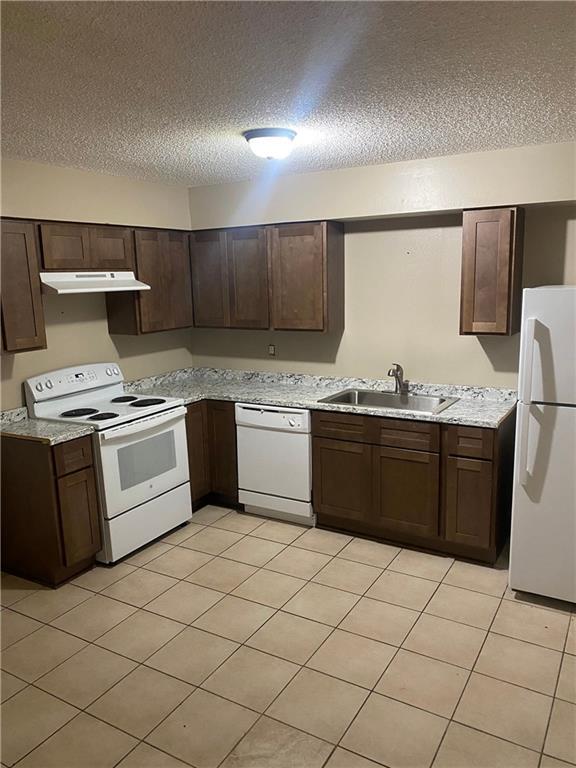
x,y
341,474
405,496
59,534
79,516
211,433
467,497
454,497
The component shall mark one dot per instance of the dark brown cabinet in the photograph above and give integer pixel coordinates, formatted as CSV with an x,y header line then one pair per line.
x,y
399,480
79,516
198,450
210,279
211,435
222,447
283,277
163,263
307,276
81,246
247,265
468,501
492,245
22,312
342,476
50,527
405,492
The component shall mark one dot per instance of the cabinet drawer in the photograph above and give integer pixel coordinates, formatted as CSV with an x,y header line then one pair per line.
x,y
470,442
73,455
341,426
411,435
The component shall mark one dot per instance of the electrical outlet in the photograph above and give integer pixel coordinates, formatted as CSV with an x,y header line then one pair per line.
x,y
272,350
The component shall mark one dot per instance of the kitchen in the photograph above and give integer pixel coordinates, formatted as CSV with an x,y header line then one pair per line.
x,y
302,489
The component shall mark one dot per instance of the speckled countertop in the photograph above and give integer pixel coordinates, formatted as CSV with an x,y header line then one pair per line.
x,y
476,407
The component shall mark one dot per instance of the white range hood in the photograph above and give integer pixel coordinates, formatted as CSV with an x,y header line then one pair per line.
x,y
90,282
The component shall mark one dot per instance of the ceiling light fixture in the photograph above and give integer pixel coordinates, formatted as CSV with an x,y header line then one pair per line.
x,y
271,143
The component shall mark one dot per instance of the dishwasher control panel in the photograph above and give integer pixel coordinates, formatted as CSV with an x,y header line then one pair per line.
x,y
270,417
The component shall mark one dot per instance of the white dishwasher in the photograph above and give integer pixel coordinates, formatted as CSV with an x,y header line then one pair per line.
x,y
274,462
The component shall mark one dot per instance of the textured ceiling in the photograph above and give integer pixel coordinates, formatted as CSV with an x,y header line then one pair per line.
x,y
163,90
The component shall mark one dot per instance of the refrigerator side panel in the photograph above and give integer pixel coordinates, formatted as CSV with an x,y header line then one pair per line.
x,y
543,542
548,346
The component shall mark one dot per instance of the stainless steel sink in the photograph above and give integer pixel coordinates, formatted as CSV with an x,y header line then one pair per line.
x,y
372,399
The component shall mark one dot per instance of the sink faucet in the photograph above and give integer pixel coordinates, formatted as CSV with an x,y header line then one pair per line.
x,y
400,386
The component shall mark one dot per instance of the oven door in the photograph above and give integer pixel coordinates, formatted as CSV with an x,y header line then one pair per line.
x,y
142,460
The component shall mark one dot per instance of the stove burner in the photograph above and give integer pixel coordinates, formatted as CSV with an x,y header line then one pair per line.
x,y
77,412
147,401
123,399
103,416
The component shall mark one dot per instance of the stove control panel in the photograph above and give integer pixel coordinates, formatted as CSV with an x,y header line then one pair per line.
x,y
68,381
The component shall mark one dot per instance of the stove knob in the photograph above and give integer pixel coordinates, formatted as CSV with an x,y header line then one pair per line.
x,y
49,384
116,371
108,371
292,422
39,387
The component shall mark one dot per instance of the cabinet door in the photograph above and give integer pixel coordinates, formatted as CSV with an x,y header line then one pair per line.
x,y
111,248
65,246
198,450
468,501
491,271
248,277
79,516
405,491
222,447
163,262
22,313
210,279
298,276
341,474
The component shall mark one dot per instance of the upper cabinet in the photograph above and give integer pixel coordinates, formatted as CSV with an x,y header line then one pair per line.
x,y
284,277
307,268
79,246
22,312
492,245
210,279
247,263
163,263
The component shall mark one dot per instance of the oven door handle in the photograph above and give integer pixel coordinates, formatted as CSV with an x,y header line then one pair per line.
x,y
143,425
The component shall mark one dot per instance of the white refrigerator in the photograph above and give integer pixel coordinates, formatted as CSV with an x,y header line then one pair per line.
x,y
543,541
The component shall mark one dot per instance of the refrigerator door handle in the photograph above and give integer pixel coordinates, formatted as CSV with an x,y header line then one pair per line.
x,y
528,359
523,428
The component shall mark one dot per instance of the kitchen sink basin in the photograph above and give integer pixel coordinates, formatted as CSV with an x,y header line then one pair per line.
x,y
372,399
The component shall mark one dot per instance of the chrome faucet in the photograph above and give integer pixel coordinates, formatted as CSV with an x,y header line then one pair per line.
x,y
400,386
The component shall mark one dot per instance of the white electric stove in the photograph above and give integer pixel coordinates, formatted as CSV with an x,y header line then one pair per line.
x,y
140,450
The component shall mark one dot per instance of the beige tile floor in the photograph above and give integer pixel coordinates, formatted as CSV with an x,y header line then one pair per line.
x,y
245,643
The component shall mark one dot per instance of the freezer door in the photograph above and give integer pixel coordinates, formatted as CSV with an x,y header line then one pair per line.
x,y
543,543
548,346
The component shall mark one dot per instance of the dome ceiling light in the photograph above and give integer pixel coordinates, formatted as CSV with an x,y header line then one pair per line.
x,y
270,143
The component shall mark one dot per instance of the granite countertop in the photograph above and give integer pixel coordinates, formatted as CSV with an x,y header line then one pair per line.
x,y
476,407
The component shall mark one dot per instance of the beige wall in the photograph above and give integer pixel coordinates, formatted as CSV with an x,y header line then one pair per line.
x,y
517,176
37,190
76,326
402,293
402,304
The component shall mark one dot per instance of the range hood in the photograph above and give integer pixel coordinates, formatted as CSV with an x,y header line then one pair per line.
x,y
90,282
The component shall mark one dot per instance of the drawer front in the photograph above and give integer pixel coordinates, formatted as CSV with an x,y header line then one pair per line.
x,y
470,442
341,426
73,455
410,435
